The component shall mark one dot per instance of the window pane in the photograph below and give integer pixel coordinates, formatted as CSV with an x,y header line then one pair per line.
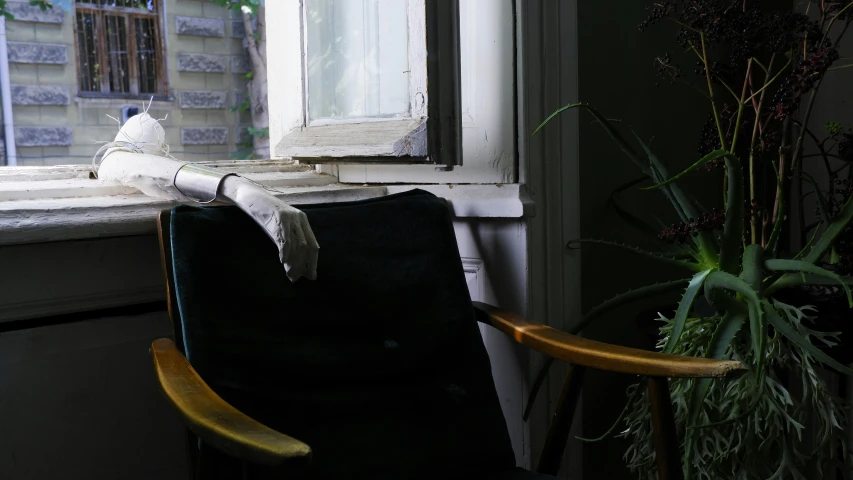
x,y
90,80
357,58
116,36
146,53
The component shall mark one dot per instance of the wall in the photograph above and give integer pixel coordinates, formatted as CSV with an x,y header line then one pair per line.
x,y
206,65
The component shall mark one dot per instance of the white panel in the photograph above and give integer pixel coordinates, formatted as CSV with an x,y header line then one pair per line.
x,y
284,67
487,29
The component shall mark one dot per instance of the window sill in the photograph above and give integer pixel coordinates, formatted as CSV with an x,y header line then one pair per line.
x,y
47,204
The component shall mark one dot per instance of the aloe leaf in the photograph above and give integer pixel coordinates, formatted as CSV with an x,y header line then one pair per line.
x,y
785,265
608,127
702,161
773,241
625,411
792,280
823,209
627,216
786,329
618,301
808,245
624,299
537,384
684,309
833,230
681,203
726,281
656,171
732,240
653,255
753,263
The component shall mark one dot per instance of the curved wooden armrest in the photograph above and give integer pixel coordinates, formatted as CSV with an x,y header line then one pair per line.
x,y
603,356
215,421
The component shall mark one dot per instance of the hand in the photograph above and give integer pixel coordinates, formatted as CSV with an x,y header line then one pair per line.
x,y
285,225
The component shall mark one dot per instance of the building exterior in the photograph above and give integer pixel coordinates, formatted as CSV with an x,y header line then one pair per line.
x,y
73,65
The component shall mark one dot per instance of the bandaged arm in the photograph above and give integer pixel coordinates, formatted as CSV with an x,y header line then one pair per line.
x,y
163,177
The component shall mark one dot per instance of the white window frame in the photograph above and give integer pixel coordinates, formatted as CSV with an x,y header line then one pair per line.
x,y
431,133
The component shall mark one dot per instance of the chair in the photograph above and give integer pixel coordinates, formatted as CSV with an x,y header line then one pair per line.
x,y
375,370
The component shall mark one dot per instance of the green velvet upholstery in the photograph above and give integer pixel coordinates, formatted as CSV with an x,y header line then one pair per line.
x,y
378,364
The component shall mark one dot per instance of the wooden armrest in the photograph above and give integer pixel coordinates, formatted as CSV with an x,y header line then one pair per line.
x,y
215,421
603,356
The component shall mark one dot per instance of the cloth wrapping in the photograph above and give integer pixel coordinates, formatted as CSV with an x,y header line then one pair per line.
x,y
169,179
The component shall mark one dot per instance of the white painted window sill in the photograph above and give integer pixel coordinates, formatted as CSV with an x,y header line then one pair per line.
x,y
44,204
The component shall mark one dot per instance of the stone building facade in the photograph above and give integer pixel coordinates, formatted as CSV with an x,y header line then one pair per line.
x,y
203,59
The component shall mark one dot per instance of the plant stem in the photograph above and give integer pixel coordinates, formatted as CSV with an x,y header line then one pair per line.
x,y
741,104
831,22
755,130
711,92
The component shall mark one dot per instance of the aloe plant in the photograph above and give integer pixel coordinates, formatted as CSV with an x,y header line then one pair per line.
x,y
751,427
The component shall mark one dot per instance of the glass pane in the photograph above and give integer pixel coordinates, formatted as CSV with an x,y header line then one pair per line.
x,y
90,80
116,36
357,58
146,52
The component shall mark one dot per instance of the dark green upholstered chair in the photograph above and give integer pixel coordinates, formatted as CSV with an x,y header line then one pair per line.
x,y
375,370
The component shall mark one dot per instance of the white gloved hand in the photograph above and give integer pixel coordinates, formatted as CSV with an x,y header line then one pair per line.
x,y
285,225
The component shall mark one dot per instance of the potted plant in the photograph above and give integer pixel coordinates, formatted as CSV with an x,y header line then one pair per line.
x,y
760,70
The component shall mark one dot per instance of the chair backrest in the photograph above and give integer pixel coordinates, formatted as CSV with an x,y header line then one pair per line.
x,y
378,364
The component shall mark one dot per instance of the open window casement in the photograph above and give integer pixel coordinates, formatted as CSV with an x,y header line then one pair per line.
x,y
367,81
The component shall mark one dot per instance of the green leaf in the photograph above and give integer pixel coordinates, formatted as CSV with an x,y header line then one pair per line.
x,y
625,411
777,227
250,75
683,310
653,255
682,205
608,127
785,265
726,281
786,329
537,384
702,161
753,266
833,231
627,216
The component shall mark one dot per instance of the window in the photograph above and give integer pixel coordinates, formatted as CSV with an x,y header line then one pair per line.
x,y
119,50
359,72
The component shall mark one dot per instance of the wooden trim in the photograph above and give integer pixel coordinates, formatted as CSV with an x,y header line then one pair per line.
x,y
603,356
215,421
667,454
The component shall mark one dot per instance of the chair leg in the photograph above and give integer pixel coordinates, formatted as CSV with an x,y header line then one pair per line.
x,y
558,433
663,427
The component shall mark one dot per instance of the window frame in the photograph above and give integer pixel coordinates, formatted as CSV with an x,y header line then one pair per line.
x,y
432,133
129,14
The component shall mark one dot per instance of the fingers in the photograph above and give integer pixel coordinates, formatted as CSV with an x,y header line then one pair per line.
x,y
313,249
296,263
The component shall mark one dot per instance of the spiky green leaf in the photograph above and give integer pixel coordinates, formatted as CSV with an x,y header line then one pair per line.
x,y
684,308
786,265
653,255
